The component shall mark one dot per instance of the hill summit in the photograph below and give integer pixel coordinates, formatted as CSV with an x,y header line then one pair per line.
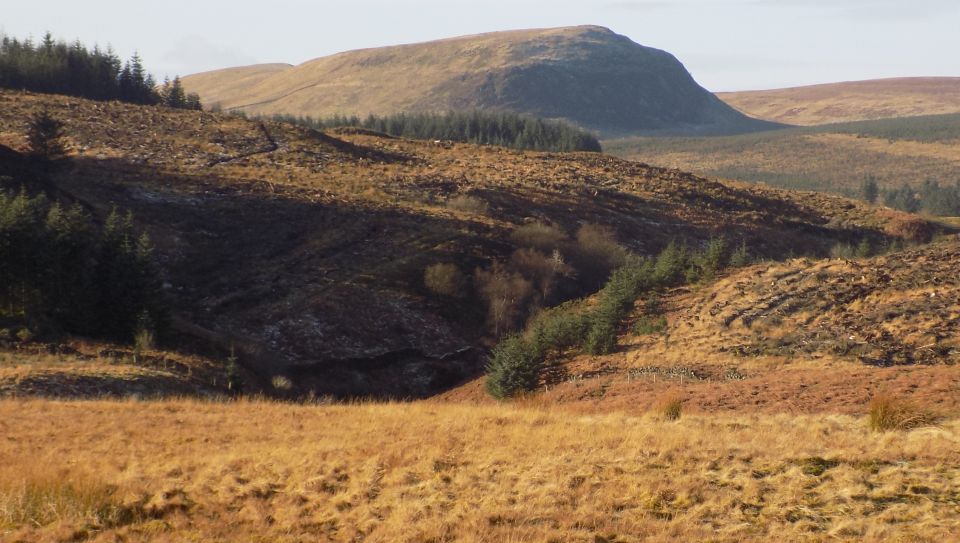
x,y
588,75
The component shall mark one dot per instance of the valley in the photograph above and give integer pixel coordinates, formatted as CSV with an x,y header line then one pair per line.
x,y
274,318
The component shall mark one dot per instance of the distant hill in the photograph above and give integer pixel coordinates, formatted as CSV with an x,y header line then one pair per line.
x,y
588,75
850,101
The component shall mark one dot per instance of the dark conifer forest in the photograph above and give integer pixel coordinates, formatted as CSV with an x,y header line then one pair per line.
x,y
484,128
57,67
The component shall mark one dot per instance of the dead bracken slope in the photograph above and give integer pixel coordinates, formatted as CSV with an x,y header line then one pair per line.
x,y
799,336
897,309
307,251
850,101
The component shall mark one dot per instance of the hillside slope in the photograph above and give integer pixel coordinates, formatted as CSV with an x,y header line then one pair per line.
x,y
588,75
850,101
306,252
800,336
833,158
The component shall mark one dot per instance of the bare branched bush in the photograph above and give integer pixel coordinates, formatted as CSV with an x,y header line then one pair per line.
x,y
598,253
544,237
543,270
506,294
445,280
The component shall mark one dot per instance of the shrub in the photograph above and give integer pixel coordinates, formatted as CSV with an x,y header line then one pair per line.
x,y
281,383
600,241
843,250
560,328
540,236
670,407
598,253
445,280
468,204
864,249
602,336
543,270
671,264
45,137
714,258
650,325
506,294
888,413
514,367
143,341
740,256
234,375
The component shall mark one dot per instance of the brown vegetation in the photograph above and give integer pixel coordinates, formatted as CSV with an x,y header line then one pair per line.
x,y
445,279
83,369
189,471
801,336
850,101
888,413
827,162
308,251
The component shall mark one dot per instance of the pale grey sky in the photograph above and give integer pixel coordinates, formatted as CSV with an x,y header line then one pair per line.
x,y
726,44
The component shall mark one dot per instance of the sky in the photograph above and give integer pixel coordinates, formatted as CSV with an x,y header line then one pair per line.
x,y
726,44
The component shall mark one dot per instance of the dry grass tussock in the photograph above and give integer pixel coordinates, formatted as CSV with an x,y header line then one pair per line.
x,y
889,413
245,471
670,406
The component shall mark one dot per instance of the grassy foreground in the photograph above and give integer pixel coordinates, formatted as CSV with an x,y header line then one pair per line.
x,y
258,471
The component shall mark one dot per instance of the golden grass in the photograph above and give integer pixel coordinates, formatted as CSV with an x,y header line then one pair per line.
x,y
40,495
252,471
670,406
889,413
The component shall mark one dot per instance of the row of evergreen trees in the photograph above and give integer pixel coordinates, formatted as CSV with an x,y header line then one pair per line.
x,y
59,270
519,360
53,66
931,197
485,128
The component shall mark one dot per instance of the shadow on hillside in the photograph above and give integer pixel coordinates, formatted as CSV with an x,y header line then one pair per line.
x,y
329,293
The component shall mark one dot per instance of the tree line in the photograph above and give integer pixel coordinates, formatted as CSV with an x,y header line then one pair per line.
x,y
483,128
930,197
54,66
60,271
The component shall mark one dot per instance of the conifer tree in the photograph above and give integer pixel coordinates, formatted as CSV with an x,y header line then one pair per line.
x,y
869,190
173,94
45,137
